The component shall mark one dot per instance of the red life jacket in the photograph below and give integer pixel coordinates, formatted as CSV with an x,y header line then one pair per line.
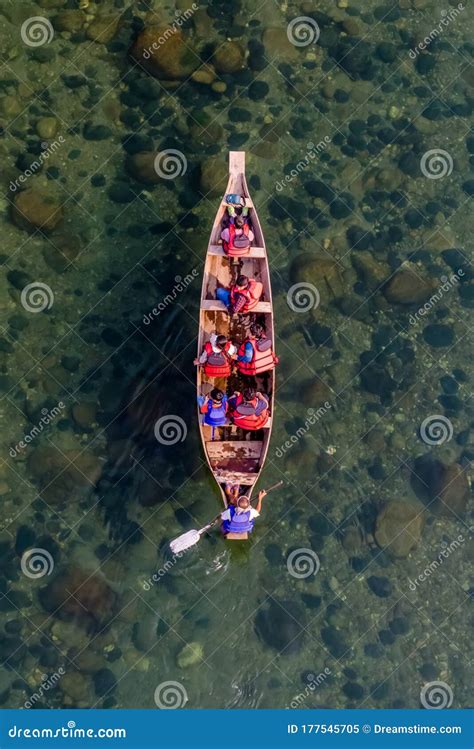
x,y
230,248
244,415
253,292
218,362
263,359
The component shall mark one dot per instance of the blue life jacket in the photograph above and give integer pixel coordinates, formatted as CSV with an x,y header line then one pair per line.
x,y
216,417
240,522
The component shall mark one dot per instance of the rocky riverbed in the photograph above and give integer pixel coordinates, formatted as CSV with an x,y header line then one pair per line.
x,y
115,120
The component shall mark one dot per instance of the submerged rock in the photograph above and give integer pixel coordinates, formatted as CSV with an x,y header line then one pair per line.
x,y
69,20
406,287
33,209
452,490
76,595
104,682
320,271
444,487
64,476
438,335
190,655
229,57
381,586
372,271
165,53
141,166
280,629
75,686
102,29
398,528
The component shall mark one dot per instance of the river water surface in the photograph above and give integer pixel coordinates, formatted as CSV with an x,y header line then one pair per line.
x,y
356,587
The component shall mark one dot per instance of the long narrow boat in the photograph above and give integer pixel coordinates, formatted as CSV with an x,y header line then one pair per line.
x,y
234,455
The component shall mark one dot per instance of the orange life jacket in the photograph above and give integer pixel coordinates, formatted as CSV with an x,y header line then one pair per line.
x,y
253,292
244,415
263,359
229,247
218,362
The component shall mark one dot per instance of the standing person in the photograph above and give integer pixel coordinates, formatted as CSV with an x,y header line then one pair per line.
x,y
240,517
217,356
255,355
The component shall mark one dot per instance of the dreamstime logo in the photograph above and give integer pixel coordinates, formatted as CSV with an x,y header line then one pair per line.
x,y
47,683
446,17
302,563
170,695
436,430
170,164
447,285
313,681
302,31
181,285
302,297
445,553
36,297
311,419
436,695
36,31
168,33
168,565
47,150
313,150
37,563
170,429
46,418
436,164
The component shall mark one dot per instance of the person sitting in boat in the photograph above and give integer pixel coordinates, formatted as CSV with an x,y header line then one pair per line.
x,y
232,493
216,357
243,296
240,517
249,409
255,355
237,236
214,408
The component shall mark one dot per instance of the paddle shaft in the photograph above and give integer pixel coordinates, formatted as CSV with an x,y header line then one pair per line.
x,y
275,486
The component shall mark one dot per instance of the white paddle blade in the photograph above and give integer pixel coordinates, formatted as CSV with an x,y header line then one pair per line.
x,y
185,541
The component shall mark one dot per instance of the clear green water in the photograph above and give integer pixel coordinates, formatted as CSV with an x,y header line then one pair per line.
x,y
356,218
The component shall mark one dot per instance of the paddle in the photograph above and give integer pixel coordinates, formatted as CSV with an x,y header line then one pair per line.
x,y
190,538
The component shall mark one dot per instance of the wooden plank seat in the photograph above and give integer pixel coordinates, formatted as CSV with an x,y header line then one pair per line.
x,y
218,250
207,432
236,536
234,449
213,305
236,477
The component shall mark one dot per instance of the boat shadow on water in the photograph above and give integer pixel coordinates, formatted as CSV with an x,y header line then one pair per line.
x,y
151,446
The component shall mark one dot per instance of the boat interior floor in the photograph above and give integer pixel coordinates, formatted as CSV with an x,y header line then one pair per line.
x,y
231,433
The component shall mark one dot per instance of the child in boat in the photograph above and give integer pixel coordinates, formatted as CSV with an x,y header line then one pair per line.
x,y
239,517
242,297
214,408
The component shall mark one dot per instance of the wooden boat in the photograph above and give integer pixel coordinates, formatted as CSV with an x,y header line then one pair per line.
x,y
234,455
